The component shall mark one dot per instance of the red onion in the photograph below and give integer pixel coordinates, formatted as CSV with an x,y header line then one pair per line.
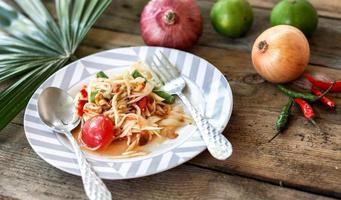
x,y
171,23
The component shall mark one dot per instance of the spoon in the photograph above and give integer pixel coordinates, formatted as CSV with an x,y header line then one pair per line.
x,y
56,108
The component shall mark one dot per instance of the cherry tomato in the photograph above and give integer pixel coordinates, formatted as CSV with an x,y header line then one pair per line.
x,y
97,132
143,103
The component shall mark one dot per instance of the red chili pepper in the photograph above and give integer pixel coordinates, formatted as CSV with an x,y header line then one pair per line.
x,y
306,108
324,85
143,103
324,100
80,106
84,93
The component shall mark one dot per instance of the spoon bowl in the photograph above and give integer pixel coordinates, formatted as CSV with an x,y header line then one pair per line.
x,y
56,108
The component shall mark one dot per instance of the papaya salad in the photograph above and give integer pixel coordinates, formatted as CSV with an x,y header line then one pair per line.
x,y
128,107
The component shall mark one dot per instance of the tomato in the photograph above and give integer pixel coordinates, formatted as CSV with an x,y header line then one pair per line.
x,y
82,102
80,107
298,13
84,93
143,103
232,18
97,132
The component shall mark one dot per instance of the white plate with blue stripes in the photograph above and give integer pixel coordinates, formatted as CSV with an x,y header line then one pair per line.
x,y
208,90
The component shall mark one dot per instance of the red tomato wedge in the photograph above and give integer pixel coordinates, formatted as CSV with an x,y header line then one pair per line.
x,y
84,93
143,103
80,106
97,132
82,102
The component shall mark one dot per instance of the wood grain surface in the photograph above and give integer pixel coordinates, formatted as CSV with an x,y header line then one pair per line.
x,y
303,163
26,176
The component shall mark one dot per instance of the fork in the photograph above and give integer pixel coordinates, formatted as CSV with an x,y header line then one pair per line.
x,y
167,74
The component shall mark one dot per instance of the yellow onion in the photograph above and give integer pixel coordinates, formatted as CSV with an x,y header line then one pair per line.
x,y
280,54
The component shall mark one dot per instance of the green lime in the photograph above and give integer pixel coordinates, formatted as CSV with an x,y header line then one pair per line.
x,y
232,18
298,13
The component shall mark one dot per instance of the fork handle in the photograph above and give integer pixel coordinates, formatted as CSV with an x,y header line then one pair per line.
x,y
217,144
94,187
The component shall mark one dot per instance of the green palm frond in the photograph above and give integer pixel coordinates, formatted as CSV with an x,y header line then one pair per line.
x,y
33,45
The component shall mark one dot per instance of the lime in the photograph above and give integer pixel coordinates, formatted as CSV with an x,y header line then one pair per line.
x,y
298,13
232,18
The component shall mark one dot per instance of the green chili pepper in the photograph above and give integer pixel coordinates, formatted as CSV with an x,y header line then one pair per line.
x,y
283,118
92,96
306,96
169,99
136,74
101,74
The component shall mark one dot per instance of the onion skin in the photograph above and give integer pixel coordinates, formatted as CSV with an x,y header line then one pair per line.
x,y
280,54
171,23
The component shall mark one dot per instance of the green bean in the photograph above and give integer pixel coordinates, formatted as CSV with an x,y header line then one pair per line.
x,y
169,99
101,74
136,74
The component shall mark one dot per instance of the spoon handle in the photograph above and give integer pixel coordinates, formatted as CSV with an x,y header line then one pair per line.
x,y
94,187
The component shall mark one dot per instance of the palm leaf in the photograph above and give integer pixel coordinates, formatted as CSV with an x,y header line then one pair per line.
x,y
35,46
19,26
22,68
10,44
27,85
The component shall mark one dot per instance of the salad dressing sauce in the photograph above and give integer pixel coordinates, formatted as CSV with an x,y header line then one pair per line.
x,y
115,148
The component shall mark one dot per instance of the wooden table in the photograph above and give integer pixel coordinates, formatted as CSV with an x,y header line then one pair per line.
x,y
300,164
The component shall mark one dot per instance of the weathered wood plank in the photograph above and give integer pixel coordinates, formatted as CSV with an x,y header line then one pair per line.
x,y
326,8
278,165
25,176
7,198
250,130
301,158
249,104
325,43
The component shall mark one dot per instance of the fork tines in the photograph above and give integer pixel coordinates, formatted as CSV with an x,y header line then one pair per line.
x,y
162,68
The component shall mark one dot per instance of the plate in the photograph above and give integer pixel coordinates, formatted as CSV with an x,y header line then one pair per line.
x,y
207,89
